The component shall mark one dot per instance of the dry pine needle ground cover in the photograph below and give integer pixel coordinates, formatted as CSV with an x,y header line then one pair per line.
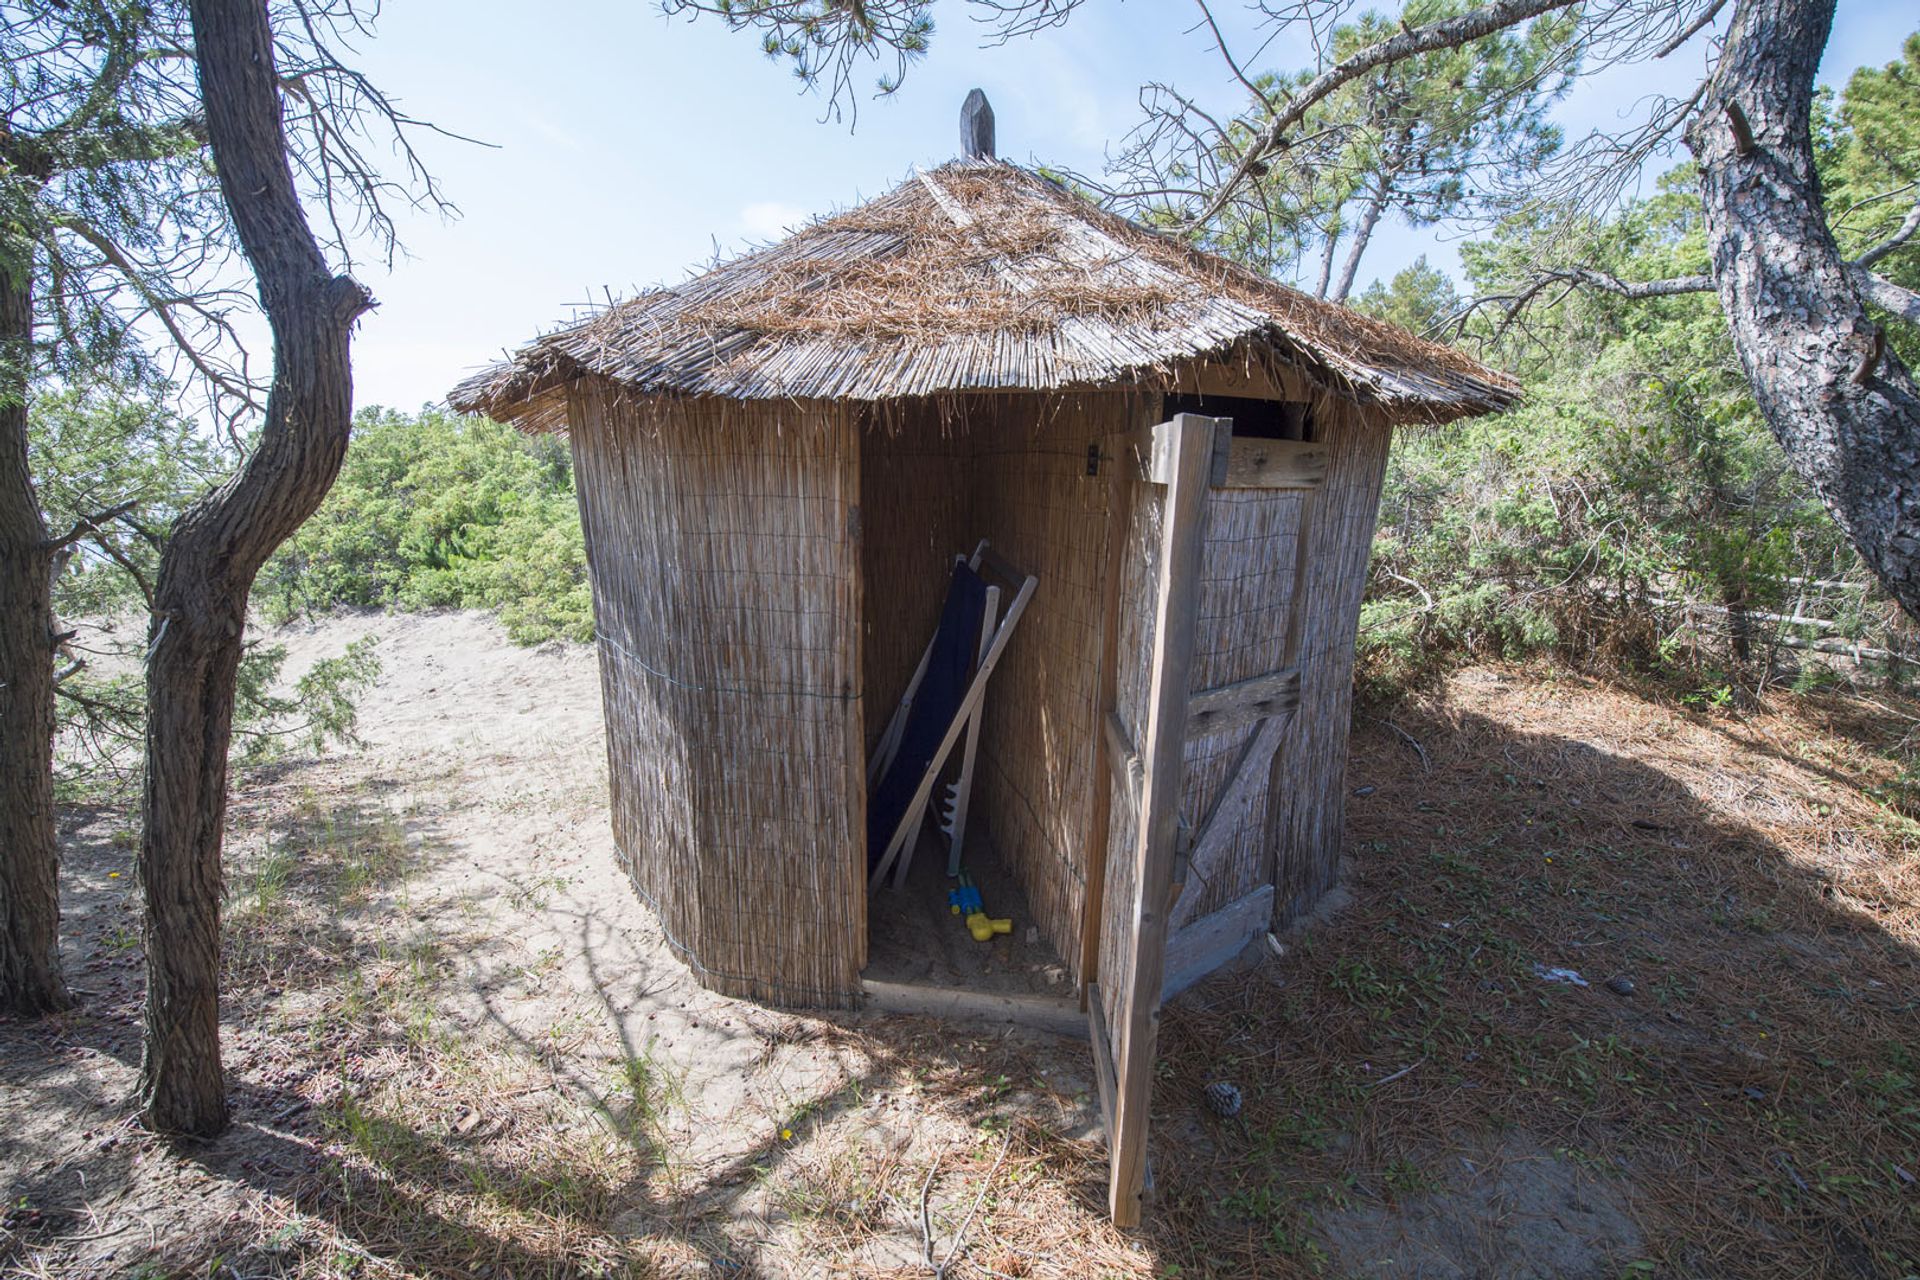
x,y
458,1047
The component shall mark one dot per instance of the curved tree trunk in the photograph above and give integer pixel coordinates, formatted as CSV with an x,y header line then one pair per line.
x,y
216,549
1327,254
1842,406
1362,234
30,980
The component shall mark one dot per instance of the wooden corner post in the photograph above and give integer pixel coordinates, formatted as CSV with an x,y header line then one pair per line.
x,y
1183,460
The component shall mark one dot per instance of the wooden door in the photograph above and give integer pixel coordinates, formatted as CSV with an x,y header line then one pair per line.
x,y
1145,733
1151,712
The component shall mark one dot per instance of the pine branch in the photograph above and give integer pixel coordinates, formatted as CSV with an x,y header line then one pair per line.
x,y
87,525
1904,233
1447,33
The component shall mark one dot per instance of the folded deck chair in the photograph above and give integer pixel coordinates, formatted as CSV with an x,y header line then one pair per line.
x,y
942,702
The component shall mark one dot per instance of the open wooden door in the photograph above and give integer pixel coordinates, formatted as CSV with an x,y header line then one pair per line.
x,y
1153,663
1151,713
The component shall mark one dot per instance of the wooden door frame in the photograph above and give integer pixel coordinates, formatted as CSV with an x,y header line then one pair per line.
x,y
1121,482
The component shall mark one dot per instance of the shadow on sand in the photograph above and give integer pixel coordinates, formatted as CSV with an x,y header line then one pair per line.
x,y
1420,1099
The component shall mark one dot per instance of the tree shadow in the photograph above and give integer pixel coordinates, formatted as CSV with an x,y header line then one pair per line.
x,y
389,1105
1752,1077
708,1192
311,874
1676,961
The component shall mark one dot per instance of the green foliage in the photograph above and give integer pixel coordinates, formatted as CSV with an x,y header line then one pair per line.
x,y
116,466
1636,482
105,198
1420,299
319,711
825,39
1871,149
1636,491
434,510
1421,139
99,447
1870,168
430,511
102,717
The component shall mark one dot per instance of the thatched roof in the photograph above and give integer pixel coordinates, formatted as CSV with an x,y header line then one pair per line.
x,y
977,276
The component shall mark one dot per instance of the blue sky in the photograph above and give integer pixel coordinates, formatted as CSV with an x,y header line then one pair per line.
x,y
628,148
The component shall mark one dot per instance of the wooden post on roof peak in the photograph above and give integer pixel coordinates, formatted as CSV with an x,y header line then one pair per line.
x,y
976,127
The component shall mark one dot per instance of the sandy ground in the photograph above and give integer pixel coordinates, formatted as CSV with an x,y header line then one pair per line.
x,y
485,763
457,1045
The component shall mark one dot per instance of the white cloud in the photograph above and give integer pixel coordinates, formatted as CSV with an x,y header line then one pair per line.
x,y
771,220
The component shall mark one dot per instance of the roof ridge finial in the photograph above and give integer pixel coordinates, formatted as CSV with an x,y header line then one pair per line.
x,y
976,127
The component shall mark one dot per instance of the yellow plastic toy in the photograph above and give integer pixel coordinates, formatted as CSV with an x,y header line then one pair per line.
x,y
965,901
983,927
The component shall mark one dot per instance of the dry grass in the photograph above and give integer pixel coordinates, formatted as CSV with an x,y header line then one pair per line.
x,y
1013,272
1755,1098
1753,1103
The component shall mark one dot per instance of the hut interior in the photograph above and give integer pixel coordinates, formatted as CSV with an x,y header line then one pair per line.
x,y
936,477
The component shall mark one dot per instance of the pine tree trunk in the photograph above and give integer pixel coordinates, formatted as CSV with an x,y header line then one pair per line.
x,y
1369,219
1327,254
1844,409
216,549
30,978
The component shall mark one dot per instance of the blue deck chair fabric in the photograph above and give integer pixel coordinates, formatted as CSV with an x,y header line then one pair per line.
x,y
956,650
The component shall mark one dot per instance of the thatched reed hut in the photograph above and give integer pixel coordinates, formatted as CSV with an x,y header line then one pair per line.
x,y
776,462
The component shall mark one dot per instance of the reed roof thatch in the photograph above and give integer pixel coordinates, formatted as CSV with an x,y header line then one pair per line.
x,y
977,276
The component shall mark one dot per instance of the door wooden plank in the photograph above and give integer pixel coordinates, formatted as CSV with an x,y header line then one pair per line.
x,y
1243,702
1210,845
1213,939
1102,1058
1123,762
1056,1015
1186,443
1275,464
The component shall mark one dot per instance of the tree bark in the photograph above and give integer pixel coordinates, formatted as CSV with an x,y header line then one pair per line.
x,y
30,976
1844,409
1327,253
216,549
1369,219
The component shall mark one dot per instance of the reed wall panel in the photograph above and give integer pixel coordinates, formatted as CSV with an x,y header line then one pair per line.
x,y
915,516
1306,822
1033,498
723,548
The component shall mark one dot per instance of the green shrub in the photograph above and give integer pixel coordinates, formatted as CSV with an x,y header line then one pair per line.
x,y
103,446
438,511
